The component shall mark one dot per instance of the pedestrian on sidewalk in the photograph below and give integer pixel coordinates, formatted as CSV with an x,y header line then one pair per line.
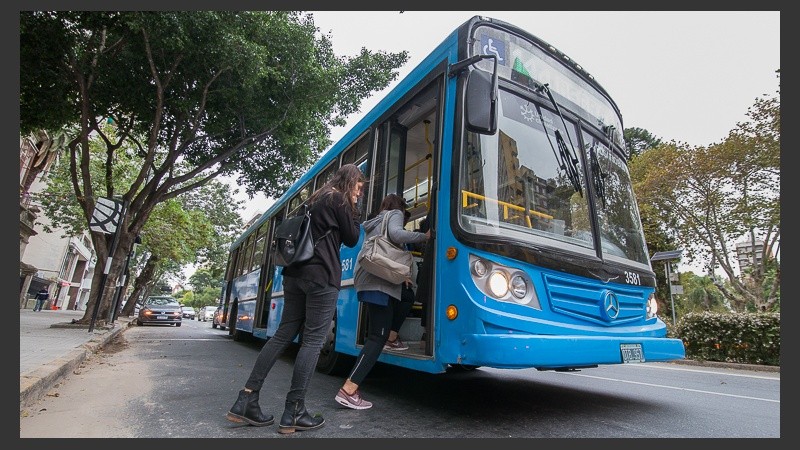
x,y
41,297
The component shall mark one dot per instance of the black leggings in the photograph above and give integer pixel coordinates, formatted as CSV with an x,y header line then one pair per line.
x,y
380,322
401,307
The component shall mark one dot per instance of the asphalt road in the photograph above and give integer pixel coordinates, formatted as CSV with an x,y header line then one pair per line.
x,y
168,382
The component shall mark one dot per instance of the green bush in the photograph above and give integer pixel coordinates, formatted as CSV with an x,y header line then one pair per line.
x,y
746,338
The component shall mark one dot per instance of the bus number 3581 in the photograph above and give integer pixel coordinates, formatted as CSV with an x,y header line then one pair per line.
x,y
632,278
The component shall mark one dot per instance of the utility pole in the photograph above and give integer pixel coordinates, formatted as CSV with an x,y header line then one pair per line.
x,y
112,316
666,257
107,268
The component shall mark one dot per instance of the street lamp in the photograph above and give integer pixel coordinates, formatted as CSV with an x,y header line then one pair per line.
x,y
666,257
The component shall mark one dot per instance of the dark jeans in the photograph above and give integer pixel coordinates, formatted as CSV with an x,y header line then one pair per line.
x,y
307,305
379,323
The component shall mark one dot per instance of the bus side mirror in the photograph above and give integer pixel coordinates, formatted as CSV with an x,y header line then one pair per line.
x,y
481,103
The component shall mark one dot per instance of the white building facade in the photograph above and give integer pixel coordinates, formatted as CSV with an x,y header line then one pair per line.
x,y
62,265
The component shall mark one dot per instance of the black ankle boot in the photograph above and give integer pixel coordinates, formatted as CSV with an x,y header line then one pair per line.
x,y
296,418
246,409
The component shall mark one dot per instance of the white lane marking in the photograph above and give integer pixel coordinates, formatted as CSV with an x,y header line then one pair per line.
x,y
715,372
671,387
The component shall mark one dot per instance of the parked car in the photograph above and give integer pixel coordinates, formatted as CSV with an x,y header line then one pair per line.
x,y
187,312
160,309
219,319
206,313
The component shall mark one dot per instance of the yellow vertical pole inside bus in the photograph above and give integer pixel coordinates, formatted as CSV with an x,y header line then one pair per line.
x,y
430,163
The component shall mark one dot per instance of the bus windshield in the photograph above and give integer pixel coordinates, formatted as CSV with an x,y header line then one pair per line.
x,y
517,184
528,65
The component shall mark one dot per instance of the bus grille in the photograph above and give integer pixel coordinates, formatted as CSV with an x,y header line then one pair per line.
x,y
584,300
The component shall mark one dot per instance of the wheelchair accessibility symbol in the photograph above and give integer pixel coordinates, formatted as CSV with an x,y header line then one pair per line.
x,y
491,46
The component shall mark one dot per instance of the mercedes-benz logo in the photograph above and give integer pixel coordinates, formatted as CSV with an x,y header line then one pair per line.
x,y
610,305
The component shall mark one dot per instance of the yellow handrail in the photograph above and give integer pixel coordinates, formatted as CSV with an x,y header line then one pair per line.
x,y
429,158
466,195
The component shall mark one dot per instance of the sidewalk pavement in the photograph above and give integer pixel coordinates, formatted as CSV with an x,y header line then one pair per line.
x,y
51,346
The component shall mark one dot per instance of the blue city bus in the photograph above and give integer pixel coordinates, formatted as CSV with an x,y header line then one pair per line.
x,y
513,153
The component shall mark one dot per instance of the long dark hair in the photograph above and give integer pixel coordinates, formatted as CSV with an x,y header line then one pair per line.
x,y
344,181
393,201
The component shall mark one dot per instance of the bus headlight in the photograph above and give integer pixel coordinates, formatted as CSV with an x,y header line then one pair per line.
x,y
503,283
498,284
652,306
519,288
479,268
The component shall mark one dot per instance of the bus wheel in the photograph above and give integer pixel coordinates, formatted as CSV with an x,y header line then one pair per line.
x,y
330,361
238,336
232,315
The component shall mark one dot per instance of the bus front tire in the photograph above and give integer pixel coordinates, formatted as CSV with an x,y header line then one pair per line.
x,y
455,368
238,336
330,361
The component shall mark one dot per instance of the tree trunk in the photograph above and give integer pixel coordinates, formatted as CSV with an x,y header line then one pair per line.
x,y
139,286
102,247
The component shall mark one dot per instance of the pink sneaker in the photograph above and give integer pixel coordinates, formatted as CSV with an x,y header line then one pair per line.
x,y
397,344
355,401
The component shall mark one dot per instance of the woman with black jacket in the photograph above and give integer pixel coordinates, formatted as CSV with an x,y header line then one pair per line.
x,y
310,293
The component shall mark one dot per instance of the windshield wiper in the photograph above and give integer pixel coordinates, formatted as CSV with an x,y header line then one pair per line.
x,y
598,177
568,163
567,160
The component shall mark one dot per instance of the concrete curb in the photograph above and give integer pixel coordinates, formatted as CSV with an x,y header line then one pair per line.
x,y
34,385
726,365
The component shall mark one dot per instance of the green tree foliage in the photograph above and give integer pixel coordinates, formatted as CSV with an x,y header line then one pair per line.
x,y
211,209
639,140
191,95
206,296
718,195
203,277
655,226
699,294
185,297
59,201
170,240
217,203
172,236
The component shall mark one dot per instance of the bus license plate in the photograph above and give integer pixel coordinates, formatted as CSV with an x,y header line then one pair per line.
x,y
631,353
161,317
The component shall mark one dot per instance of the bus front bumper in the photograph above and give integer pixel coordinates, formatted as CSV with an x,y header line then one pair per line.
x,y
563,352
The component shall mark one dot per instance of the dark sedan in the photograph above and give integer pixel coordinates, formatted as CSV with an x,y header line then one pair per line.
x,y
160,309
219,319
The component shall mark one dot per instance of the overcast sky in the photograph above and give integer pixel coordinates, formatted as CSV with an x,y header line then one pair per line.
x,y
684,76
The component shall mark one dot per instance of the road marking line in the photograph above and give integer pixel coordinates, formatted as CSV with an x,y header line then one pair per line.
x,y
671,387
